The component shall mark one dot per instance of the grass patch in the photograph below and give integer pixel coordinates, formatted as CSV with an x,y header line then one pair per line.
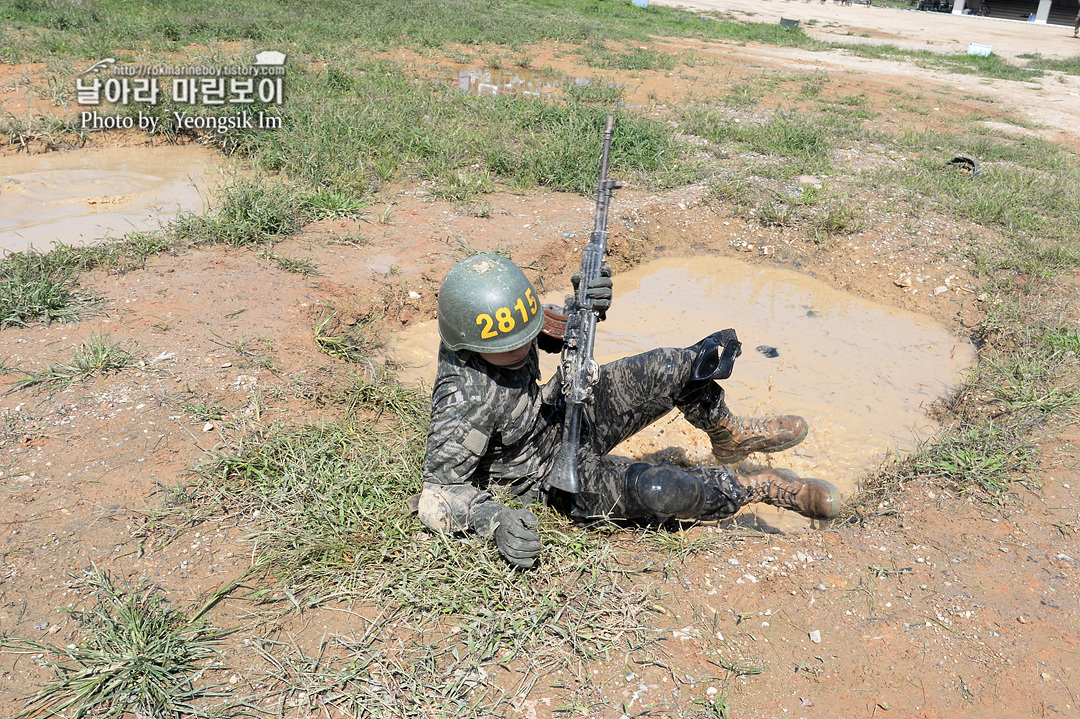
x,y
982,457
1068,65
383,396
135,656
1027,188
333,523
37,287
350,344
46,27
992,66
248,212
336,519
1061,340
253,351
98,356
838,216
598,93
823,214
390,126
813,83
205,410
801,140
295,265
122,254
598,55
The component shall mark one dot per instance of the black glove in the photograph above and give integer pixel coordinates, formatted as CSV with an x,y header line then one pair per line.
x,y
599,290
514,532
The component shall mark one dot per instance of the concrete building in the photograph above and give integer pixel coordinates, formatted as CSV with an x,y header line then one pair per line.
x,y
1053,12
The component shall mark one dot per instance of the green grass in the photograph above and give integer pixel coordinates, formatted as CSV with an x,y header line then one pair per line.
x,y
984,457
121,254
800,141
389,126
295,265
246,212
1069,65
352,344
37,287
1028,188
838,216
598,55
1062,340
383,396
98,356
204,410
992,66
134,656
48,27
813,83
333,522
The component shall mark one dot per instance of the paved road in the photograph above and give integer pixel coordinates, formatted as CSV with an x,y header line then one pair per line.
x,y
905,28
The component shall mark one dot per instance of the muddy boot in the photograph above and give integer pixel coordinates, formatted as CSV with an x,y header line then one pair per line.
x,y
812,498
733,438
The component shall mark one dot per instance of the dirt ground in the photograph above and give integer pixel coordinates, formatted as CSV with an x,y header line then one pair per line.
x,y
936,606
939,32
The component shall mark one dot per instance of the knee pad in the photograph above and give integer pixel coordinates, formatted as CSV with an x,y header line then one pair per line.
x,y
662,492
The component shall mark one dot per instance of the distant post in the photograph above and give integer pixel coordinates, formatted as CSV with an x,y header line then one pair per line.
x,y
1043,12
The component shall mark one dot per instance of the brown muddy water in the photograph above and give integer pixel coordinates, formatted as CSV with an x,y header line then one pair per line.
x,y
863,374
81,196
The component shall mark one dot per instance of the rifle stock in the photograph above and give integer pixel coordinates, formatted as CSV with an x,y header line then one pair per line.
x,y
579,369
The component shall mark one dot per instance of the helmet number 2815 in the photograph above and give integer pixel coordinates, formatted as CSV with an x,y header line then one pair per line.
x,y
504,317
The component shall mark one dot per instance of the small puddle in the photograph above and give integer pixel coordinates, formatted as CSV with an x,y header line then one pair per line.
x,y
486,82
862,373
80,196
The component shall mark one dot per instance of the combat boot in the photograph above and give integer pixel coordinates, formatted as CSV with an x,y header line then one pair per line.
x,y
733,438
812,498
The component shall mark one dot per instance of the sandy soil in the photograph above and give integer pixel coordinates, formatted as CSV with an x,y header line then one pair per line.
x,y
936,605
939,32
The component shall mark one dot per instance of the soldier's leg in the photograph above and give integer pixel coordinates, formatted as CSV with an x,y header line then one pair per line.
x,y
634,392
619,489
734,438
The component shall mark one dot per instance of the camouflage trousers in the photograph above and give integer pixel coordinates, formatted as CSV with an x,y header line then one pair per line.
x,y
631,394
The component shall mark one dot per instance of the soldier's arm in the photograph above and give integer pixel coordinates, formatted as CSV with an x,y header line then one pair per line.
x,y
449,503
455,445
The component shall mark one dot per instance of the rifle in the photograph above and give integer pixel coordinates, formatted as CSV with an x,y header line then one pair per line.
x,y
580,370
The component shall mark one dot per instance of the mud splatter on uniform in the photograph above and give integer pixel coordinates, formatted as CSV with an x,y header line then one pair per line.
x,y
494,426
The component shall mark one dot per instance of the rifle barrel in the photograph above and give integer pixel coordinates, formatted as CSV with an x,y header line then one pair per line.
x,y
578,366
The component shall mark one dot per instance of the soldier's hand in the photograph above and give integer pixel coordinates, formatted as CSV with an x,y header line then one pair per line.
x,y
516,537
598,290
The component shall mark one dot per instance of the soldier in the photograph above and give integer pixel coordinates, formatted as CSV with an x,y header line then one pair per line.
x,y
494,426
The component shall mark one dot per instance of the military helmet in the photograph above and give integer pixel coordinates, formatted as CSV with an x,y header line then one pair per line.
x,y
486,304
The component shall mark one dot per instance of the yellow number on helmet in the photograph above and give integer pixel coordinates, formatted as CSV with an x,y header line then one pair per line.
x,y
489,326
506,320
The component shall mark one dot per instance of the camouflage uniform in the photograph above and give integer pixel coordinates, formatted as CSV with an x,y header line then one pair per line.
x,y
494,426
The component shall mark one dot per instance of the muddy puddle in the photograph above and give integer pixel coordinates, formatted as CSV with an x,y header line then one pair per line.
x,y
862,373
81,196
487,82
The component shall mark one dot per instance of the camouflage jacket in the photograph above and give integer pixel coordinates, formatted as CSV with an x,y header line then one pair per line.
x,y
491,426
